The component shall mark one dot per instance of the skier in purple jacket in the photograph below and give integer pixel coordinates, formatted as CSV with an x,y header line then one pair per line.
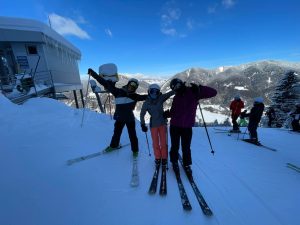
x,y
183,113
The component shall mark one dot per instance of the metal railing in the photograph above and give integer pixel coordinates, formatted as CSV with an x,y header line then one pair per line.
x,y
20,87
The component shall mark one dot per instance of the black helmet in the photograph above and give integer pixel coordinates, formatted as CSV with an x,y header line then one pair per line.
x,y
133,84
175,84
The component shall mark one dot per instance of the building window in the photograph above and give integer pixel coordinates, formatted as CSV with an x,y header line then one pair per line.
x,y
32,50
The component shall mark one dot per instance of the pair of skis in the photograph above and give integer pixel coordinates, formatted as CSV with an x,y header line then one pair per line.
x,y
184,198
134,182
93,155
163,181
246,140
259,144
293,167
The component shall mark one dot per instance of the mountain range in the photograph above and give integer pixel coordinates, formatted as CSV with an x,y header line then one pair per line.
x,y
247,80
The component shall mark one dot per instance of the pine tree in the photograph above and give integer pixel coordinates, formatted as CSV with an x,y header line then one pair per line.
x,y
285,96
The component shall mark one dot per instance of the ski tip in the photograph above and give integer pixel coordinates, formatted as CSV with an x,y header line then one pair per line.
x,y
163,194
187,207
134,184
208,212
69,163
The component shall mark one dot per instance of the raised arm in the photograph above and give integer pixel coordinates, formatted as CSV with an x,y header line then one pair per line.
x,y
137,97
98,78
167,95
110,86
206,92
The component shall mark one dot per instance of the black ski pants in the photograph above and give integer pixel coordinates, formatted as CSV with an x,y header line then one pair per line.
x,y
252,127
270,121
296,125
115,140
184,135
234,122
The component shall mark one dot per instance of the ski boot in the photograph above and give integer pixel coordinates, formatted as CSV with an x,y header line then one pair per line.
x,y
175,167
135,154
188,171
157,162
164,163
110,149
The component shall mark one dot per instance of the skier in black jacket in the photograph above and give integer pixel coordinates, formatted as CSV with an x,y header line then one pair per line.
x,y
296,118
125,100
271,116
254,118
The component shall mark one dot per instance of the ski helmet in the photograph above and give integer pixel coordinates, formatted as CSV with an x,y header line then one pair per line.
x,y
258,100
154,86
133,83
153,91
237,97
175,84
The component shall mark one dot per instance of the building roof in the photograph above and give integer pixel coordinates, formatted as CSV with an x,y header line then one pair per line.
x,y
32,31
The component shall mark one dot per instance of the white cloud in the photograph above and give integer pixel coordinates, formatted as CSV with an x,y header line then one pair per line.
x,y
81,20
108,32
169,31
190,24
212,9
67,26
174,14
170,14
228,3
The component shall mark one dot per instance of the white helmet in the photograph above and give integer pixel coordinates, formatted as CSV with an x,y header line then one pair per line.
x,y
154,86
154,91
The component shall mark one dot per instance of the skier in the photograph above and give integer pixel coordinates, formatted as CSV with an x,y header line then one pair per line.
x,y
296,117
254,118
182,113
158,124
235,106
125,100
271,115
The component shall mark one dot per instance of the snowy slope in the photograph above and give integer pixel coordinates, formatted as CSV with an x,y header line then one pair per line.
x,y
242,183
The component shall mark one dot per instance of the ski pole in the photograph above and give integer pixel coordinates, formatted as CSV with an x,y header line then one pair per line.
x,y
238,136
212,151
110,106
87,88
148,143
245,132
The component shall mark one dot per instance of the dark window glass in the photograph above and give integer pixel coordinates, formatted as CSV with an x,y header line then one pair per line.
x,y
32,50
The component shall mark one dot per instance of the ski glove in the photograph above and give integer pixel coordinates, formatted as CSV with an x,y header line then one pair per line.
x,y
243,114
144,128
90,71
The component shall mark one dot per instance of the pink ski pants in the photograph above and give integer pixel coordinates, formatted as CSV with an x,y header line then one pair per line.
x,y
159,142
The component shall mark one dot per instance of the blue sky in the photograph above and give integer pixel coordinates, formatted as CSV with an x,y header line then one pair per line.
x,y
161,38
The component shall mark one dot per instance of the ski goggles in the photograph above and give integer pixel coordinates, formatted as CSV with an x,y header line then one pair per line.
x,y
177,86
133,85
154,91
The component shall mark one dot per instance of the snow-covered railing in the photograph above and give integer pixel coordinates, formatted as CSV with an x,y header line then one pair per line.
x,y
23,86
